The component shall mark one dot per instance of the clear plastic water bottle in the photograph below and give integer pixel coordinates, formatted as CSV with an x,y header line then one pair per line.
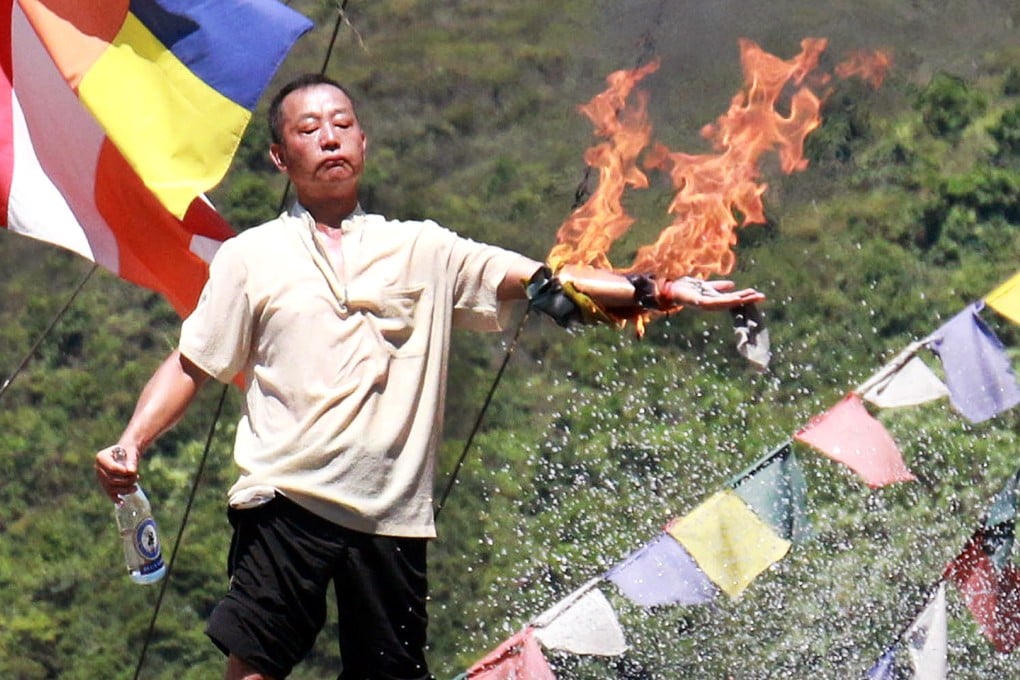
x,y
138,533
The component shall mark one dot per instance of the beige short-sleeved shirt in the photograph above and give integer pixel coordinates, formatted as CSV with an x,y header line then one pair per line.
x,y
344,376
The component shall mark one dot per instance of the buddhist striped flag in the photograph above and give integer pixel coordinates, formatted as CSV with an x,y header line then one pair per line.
x,y
116,116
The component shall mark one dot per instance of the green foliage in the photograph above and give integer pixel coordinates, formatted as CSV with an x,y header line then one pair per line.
x,y
847,125
249,201
1006,133
1011,83
948,105
977,212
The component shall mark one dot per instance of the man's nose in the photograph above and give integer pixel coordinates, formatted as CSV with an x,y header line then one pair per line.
x,y
330,138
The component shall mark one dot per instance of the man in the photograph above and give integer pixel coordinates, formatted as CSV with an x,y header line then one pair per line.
x,y
339,323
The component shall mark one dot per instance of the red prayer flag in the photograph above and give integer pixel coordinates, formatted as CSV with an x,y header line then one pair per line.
x,y
518,658
849,434
992,595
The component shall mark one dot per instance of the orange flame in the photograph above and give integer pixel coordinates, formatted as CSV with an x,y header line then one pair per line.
x,y
871,67
712,189
717,193
587,234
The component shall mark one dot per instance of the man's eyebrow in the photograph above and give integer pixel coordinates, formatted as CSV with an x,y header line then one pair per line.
x,y
335,112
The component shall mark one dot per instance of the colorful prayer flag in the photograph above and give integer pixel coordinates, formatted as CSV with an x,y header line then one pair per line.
x,y
926,639
885,668
518,658
115,117
582,623
978,372
849,434
662,572
911,385
775,490
992,595
1006,299
999,523
728,541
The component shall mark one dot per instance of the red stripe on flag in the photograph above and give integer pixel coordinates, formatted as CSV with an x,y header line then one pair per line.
x,y
6,109
154,245
991,595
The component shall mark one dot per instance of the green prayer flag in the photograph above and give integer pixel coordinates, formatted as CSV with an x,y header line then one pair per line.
x,y
1000,523
775,490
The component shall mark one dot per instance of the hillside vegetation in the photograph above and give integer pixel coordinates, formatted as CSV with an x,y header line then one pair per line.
x,y
908,211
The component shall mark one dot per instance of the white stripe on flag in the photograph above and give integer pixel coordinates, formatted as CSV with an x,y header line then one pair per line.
x,y
56,150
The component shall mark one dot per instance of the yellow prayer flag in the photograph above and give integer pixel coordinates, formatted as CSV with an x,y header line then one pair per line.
x,y
1006,299
728,541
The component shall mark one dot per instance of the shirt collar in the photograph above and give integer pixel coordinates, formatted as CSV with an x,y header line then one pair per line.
x,y
351,223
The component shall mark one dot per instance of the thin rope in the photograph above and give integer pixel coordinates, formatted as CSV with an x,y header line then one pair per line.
x,y
481,415
180,531
49,328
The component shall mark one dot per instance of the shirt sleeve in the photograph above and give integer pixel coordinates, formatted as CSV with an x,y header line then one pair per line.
x,y
479,270
217,335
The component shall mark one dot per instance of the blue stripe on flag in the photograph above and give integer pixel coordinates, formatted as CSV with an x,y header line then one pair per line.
x,y
218,39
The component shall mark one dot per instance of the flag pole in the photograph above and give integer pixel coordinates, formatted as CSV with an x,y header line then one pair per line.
x,y
59,315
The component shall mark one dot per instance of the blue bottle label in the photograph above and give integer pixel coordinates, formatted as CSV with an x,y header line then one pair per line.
x,y
150,567
147,540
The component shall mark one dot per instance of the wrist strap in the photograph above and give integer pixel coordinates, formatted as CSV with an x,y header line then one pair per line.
x,y
562,301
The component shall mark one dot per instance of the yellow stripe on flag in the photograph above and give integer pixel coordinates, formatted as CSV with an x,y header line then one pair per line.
x,y
1006,299
178,133
728,541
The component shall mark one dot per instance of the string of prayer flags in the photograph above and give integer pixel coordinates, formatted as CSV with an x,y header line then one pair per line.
x,y
728,541
662,572
1006,299
985,575
737,533
978,372
582,623
912,384
927,639
847,433
774,488
519,657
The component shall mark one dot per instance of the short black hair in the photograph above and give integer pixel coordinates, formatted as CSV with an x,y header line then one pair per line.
x,y
299,83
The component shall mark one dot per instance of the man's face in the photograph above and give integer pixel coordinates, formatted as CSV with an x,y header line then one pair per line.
x,y
323,146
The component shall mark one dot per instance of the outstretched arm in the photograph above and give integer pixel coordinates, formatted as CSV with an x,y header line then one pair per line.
x,y
612,291
162,403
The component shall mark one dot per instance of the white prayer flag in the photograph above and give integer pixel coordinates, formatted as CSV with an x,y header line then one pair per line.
x,y
926,639
911,385
582,623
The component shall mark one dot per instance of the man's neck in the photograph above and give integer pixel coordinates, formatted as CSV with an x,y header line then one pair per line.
x,y
330,214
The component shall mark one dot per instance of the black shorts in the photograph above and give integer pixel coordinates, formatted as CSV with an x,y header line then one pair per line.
x,y
282,559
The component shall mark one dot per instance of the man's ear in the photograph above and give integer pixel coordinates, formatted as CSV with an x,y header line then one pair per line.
x,y
278,156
